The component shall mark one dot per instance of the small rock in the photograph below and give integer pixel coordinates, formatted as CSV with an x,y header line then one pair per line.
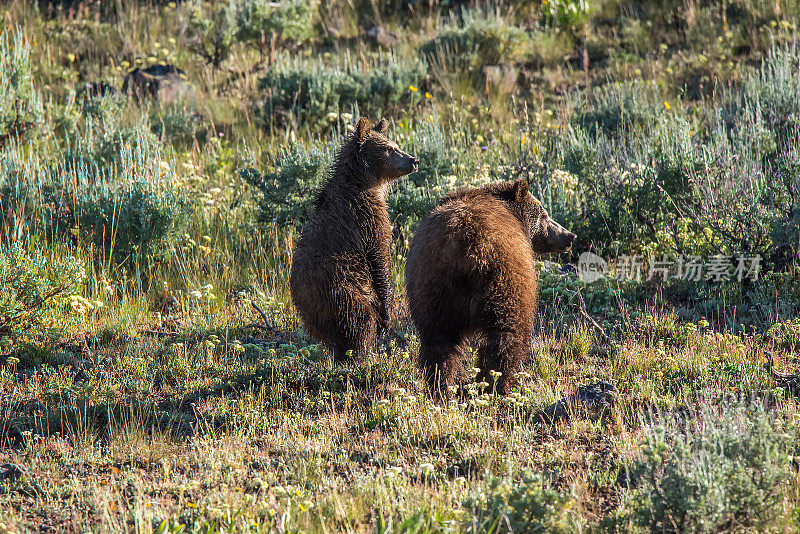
x,y
10,436
81,376
10,472
596,397
568,268
500,75
381,37
166,83
99,89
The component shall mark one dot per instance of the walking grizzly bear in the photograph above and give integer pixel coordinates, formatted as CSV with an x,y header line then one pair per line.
x,y
340,281
470,275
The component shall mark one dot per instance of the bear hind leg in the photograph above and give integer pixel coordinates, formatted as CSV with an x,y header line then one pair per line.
x,y
441,361
501,351
356,336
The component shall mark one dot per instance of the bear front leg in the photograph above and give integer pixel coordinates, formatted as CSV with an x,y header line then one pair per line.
x,y
382,285
503,352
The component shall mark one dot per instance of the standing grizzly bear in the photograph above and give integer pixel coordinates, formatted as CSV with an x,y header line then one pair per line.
x,y
340,280
470,274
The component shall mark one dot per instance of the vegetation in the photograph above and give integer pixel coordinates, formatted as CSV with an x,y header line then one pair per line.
x,y
141,390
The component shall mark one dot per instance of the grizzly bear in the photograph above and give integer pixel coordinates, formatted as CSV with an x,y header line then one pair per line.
x,y
340,281
470,275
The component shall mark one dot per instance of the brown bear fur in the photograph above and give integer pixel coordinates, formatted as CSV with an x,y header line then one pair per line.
x,y
470,275
340,281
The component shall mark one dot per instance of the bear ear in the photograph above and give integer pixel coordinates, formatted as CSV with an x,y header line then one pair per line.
x,y
382,126
362,130
520,190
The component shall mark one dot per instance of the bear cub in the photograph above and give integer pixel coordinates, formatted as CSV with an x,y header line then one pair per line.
x,y
340,281
470,275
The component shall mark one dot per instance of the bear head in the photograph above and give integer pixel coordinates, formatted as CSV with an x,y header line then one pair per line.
x,y
377,159
545,234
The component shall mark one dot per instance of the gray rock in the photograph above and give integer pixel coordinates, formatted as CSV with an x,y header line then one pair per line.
x,y
98,89
381,37
500,75
789,382
10,472
594,397
568,268
167,84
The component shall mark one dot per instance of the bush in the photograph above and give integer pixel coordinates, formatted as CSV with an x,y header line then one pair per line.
x,y
616,107
413,196
30,283
566,14
474,40
211,31
526,505
726,469
261,24
784,335
125,206
179,126
133,218
20,106
771,93
623,184
312,92
547,49
287,193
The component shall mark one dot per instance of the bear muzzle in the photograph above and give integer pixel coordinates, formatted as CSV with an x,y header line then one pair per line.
x,y
559,239
404,163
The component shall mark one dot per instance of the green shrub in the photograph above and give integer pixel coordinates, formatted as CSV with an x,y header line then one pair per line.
x,y
526,505
726,469
312,92
30,284
474,40
135,218
211,31
619,106
667,329
20,106
126,205
772,92
261,24
785,335
547,49
566,14
623,183
179,126
413,196
287,192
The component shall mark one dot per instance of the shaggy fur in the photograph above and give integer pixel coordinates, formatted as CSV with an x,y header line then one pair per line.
x,y
340,281
470,275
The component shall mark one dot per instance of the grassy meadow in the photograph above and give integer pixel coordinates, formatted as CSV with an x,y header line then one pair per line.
x,y
155,377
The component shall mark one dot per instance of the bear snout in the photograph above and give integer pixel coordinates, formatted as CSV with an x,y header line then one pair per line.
x,y
570,239
560,239
404,163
